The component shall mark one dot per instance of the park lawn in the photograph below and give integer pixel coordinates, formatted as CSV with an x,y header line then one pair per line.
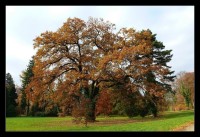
x,y
166,122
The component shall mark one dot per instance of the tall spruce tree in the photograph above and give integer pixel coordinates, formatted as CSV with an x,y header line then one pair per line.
x,y
11,96
26,78
160,57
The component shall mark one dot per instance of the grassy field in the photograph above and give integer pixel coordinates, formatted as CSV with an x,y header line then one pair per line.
x,y
166,122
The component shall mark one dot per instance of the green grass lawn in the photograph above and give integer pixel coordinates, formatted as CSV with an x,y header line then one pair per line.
x,y
165,122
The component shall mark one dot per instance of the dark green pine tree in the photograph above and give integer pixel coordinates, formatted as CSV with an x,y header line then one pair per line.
x,y
25,78
160,56
11,96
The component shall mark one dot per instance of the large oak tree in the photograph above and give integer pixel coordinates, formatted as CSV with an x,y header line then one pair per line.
x,y
81,59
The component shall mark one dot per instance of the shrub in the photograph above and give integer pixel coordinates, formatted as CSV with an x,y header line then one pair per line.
x,y
11,111
131,111
180,107
61,114
39,114
52,112
144,112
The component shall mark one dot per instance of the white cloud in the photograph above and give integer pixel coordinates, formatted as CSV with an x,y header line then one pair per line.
x,y
16,49
18,54
59,10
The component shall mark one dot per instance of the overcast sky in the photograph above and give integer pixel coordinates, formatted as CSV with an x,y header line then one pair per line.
x,y
174,26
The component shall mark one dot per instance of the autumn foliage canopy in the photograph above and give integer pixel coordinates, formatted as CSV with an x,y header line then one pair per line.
x,y
80,60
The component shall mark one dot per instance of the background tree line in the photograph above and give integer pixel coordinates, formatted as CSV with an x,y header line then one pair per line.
x,y
107,103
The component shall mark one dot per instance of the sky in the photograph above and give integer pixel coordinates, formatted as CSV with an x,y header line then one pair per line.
x,y
174,26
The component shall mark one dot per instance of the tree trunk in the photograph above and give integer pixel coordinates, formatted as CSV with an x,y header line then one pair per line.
x,y
90,114
155,114
153,109
28,108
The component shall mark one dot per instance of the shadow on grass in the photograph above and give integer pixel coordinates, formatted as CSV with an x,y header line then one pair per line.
x,y
181,114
